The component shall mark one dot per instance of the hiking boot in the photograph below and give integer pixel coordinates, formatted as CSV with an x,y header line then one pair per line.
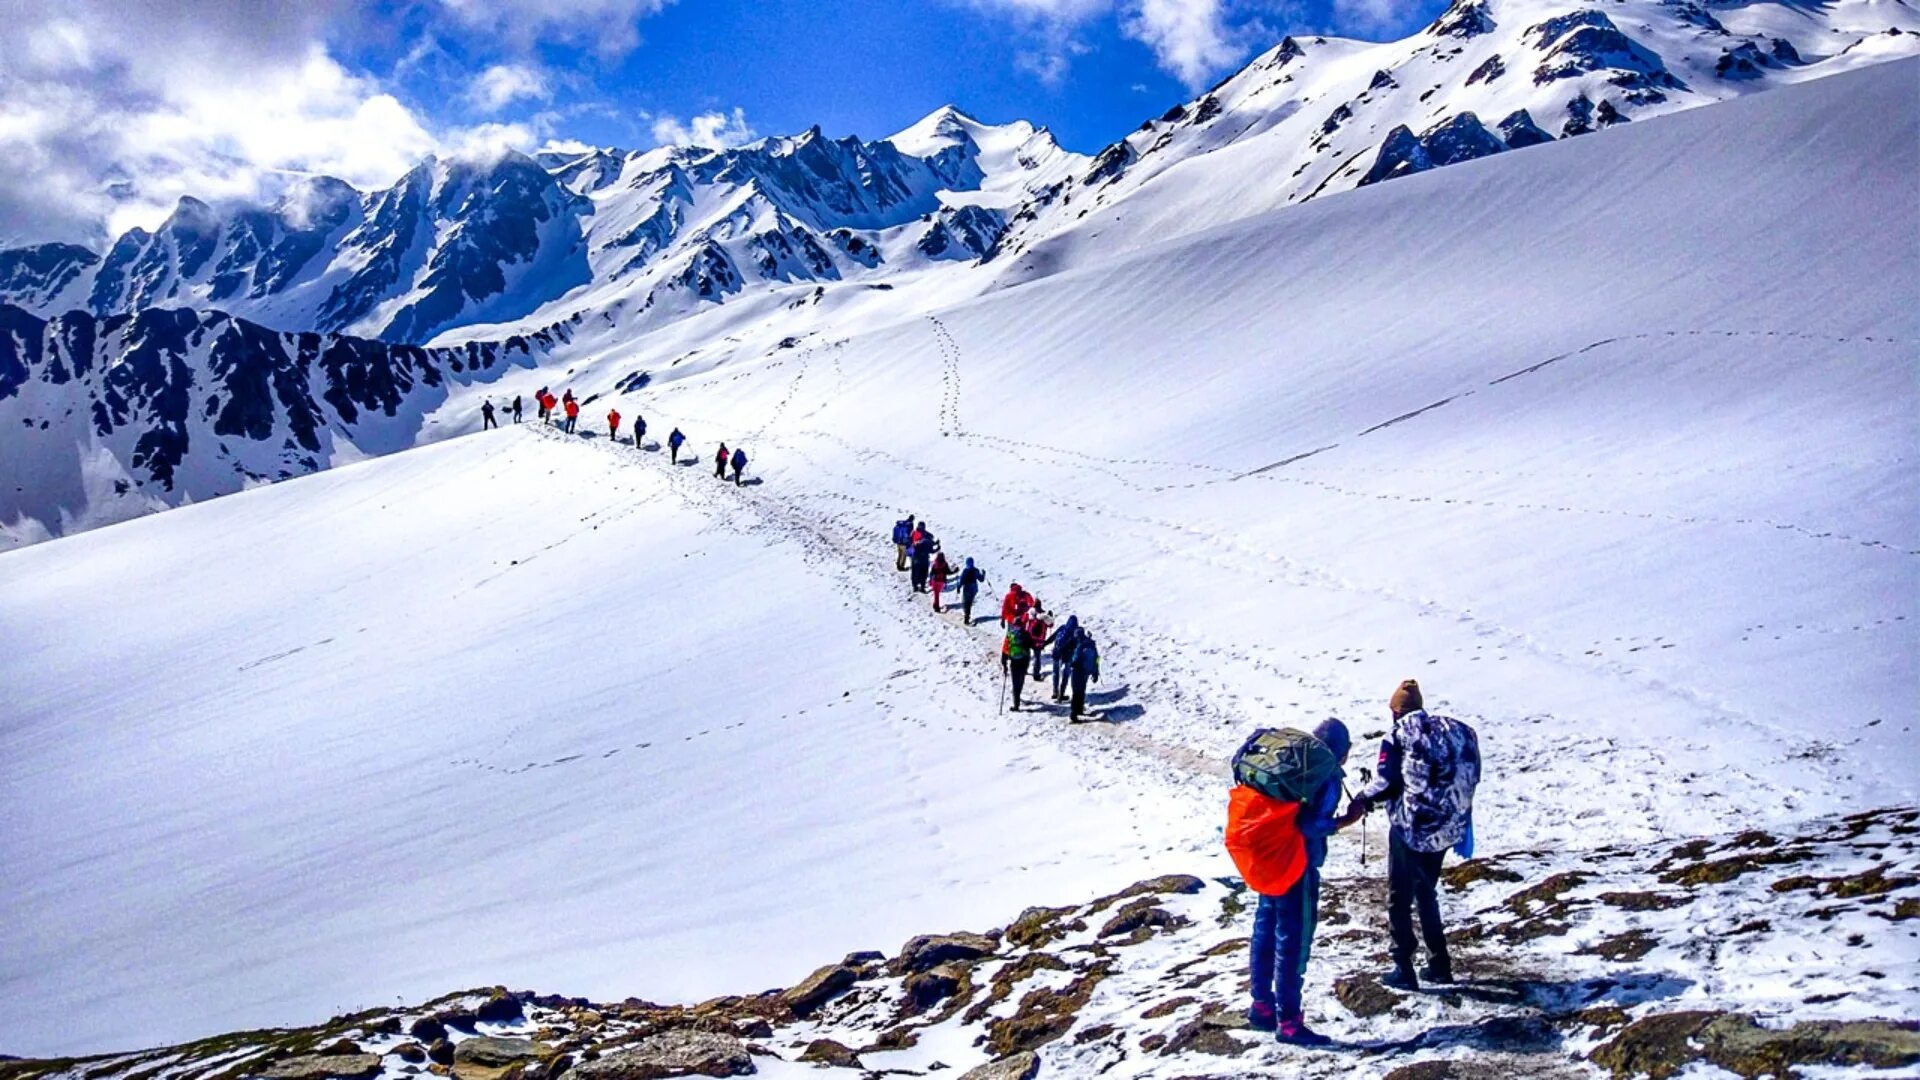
x,y
1260,1016
1401,978
1295,1032
1441,973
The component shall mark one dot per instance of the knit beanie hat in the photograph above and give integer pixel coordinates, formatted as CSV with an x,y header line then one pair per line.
x,y
1406,699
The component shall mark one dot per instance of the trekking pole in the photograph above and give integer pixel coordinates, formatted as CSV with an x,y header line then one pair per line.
x,y
1003,688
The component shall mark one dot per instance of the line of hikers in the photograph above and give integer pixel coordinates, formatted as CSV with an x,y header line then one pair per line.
x,y
1281,811
1029,630
569,406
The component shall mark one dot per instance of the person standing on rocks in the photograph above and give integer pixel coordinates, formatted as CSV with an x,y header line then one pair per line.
x,y
1428,769
1283,925
971,578
486,415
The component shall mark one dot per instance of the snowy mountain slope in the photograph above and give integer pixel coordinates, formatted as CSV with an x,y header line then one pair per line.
x,y
1318,115
110,418
1626,480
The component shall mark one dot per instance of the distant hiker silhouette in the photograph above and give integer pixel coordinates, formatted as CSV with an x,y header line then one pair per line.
x,y
486,415
516,408
674,442
739,464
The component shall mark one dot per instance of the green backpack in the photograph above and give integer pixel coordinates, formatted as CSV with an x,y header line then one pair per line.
x,y
1283,764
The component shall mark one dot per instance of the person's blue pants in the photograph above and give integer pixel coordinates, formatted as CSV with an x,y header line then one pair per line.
x,y
1282,941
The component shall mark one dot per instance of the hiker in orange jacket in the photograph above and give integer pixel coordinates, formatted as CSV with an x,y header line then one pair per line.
x,y
613,424
1014,608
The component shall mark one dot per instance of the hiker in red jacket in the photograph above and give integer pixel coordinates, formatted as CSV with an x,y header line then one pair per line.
x,y
1014,607
573,412
613,424
1038,628
720,462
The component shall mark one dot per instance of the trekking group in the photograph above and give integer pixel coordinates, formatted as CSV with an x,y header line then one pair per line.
x,y
1029,635
1281,811
568,407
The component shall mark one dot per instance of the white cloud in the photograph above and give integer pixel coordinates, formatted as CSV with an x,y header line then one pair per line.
x,y
712,129
1189,37
609,27
1192,40
503,84
101,130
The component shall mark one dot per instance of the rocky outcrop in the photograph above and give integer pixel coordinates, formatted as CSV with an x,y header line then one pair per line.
x,y
1666,1044
323,1067
683,1052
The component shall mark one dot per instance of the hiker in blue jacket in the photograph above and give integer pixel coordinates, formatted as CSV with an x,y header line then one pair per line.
x,y
739,464
674,442
902,536
971,578
639,432
1064,639
1086,665
1283,925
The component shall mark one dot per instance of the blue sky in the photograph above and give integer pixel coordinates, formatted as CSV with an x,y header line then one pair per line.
x,y
111,110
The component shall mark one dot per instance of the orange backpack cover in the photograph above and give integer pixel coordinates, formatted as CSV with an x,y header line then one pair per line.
x,y
1264,841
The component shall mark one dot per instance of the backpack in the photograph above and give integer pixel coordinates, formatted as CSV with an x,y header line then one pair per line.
x,y
1263,837
1284,764
1086,654
1018,643
902,530
1439,770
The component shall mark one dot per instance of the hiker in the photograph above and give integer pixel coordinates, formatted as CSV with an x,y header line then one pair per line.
x,y
573,412
1014,607
971,578
486,415
720,462
1086,665
613,424
739,464
1278,820
516,408
639,432
921,556
902,536
1037,626
1064,640
673,444
1013,658
541,401
1428,769
938,575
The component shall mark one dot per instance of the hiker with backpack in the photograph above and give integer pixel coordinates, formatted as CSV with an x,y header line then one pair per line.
x,y
739,464
1429,766
938,575
902,536
1064,640
1279,816
1086,665
573,412
674,442
516,408
1038,626
486,415
921,557
1013,607
971,578
720,462
1014,650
